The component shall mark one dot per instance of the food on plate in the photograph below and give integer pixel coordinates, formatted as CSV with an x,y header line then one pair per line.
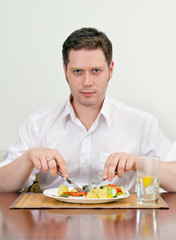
x,y
64,192
98,193
62,189
107,191
73,194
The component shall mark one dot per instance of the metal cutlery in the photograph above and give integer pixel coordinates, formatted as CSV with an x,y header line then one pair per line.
x,y
74,185
91,186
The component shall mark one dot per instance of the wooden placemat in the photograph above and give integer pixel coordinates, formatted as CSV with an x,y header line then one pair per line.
x,y
39,201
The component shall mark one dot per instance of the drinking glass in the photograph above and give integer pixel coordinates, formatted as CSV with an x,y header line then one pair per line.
x,y
148,170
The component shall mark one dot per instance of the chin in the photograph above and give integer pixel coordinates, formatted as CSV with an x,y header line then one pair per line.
x,y
89,103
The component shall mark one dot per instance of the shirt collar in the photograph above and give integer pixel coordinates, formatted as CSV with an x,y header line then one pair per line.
x,y
69,112
105,110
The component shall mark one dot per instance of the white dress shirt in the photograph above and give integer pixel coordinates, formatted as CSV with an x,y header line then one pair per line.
x,y
118,128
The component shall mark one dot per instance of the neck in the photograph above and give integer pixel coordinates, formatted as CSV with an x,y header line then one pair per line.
x,y
86,114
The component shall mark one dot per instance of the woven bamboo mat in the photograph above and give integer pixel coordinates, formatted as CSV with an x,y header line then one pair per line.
x,y
39,201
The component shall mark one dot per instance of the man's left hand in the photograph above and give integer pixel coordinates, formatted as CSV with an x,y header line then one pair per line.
x,y
120,162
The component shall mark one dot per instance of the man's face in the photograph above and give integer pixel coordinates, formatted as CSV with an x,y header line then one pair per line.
x,y
88,74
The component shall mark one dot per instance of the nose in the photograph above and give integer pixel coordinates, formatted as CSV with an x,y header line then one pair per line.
x,y
87,79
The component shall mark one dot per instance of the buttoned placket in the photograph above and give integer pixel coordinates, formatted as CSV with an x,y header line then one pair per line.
x,y
85,151
85,156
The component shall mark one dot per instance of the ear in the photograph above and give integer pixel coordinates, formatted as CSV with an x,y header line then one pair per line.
x,y
111,67
65,69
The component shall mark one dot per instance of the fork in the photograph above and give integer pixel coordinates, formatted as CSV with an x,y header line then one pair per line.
x,y
74,185
91,186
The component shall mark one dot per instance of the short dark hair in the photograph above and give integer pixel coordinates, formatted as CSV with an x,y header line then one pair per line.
x,y
88,38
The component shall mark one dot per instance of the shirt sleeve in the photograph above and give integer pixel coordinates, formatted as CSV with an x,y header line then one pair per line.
x,y
28,139
155,143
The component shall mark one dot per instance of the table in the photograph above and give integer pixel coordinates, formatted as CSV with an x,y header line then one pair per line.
x,y
75,224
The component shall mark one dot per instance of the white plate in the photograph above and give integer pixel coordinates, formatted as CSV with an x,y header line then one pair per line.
x,y
52,192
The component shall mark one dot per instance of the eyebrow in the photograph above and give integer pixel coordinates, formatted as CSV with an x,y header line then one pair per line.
x,y
77,68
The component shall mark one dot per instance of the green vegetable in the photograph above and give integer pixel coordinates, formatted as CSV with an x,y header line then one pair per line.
x,y
123,190
104,186
84,187
112,192
66,195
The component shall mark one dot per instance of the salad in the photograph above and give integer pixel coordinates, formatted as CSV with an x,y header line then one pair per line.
x,y
107,191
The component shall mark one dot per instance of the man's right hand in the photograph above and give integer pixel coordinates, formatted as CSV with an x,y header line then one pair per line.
x,y
47,159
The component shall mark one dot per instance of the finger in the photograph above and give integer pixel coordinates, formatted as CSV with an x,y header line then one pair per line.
x,y
33,158
61,165
44,163
110,166
121,167
113,166
106,166
131,163
37,163
52,167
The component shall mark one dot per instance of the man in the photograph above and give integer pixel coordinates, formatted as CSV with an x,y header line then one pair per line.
x,y
90,135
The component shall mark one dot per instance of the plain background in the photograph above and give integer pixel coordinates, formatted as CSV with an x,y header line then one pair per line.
x,y
143,33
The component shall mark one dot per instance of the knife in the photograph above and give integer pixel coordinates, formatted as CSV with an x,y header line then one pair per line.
x,y
74,185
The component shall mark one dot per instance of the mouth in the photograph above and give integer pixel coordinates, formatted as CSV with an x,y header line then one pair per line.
x,y
87,93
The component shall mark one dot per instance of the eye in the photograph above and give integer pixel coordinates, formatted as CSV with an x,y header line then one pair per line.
x,y
77,71
96,70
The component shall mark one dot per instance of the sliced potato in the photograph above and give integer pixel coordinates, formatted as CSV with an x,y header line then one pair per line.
x,y
96,191
62,189
73,190
103,193
100,193
91,195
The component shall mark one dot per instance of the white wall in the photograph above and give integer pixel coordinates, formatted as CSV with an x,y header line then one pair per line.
x,y
143,33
